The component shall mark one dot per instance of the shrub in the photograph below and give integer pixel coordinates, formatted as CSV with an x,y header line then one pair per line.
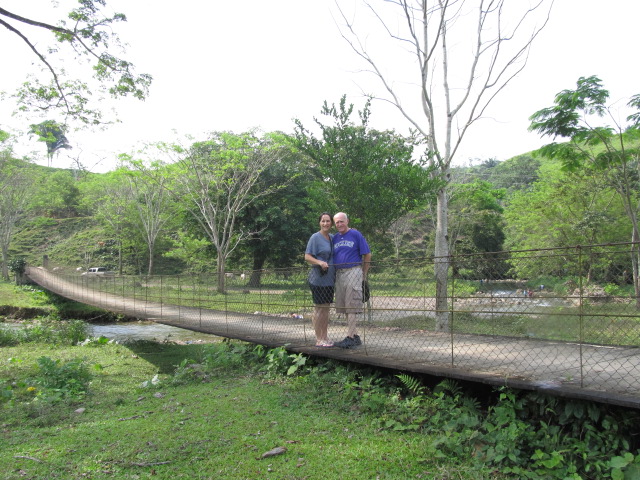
x,y
8,337
281,362
58,381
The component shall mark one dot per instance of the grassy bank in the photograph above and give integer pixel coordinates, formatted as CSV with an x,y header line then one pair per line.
x,y
218,428
21,297
31,301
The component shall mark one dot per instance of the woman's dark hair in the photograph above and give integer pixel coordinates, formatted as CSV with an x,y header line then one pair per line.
x,y
323,214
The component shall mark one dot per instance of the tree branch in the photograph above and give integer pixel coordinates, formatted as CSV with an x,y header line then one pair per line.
x,y
42,59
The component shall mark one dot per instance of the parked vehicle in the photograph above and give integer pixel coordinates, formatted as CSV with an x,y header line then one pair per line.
x,y
102,271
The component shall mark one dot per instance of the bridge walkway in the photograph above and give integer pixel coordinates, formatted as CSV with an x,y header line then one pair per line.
x,y
605,374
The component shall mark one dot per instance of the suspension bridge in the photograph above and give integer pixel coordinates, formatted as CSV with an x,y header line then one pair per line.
x,y
605,373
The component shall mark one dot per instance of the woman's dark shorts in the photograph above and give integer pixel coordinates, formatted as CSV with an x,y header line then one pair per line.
x,y
321,295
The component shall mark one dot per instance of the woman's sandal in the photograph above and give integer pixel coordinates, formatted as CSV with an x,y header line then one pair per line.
x,y
324,344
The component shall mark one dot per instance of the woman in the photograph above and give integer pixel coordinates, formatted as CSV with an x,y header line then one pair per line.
x,y
319,253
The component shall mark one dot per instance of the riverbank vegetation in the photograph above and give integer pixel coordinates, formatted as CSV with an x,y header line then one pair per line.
x,y
74,407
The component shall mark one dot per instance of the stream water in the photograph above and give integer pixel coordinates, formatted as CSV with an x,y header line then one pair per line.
x,y
128,331
131,331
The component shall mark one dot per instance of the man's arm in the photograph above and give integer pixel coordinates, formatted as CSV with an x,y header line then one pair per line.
x,y
366,258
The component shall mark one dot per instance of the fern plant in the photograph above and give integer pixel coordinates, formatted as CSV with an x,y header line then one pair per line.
x,y
412,384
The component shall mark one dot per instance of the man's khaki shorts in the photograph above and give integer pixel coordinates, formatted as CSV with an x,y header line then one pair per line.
x,y
349,290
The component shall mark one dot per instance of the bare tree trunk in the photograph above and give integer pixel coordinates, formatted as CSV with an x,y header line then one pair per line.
x,y
220,265
15,181
5,262
119,256
441,263
151,246
635,257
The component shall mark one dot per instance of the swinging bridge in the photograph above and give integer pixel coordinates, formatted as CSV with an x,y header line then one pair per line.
x,y
582,346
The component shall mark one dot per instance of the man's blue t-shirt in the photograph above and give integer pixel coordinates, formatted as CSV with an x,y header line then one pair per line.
x,y
349,248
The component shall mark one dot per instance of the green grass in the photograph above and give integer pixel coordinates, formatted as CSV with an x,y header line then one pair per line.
x,y
29,301
170,411
213,429
21,297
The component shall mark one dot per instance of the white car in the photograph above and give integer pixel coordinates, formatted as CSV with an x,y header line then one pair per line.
x,y
98,271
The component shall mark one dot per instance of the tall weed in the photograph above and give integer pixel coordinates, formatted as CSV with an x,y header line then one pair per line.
x,y
56,380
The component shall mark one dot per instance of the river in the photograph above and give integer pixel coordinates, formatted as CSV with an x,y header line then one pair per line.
x,y
131,331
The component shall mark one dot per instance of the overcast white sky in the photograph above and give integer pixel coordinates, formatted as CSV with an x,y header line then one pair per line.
x,y
222,65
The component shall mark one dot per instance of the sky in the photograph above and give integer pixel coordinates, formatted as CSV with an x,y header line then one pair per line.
x,y
221,65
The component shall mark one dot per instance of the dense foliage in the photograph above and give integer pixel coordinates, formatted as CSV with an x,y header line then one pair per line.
x,y
250,201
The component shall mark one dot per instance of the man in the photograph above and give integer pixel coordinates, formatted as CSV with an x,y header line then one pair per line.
x,y
351,256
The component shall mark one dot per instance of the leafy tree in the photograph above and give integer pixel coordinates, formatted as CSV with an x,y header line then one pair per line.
x,y
398,230
153,208
281,222
517,173
215,181
514,174
369,174
612,150
85,37
562,209
15,182
53,135
477,227
18,266
190,249
109,194
58,194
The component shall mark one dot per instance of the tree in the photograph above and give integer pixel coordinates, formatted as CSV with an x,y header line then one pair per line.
x,y
190,249
372,175
153,208
398,229
58,194
53,135
215,179
562,209
280,222
86,37
477,227
517,173
110,194
15,183
465,53
611,150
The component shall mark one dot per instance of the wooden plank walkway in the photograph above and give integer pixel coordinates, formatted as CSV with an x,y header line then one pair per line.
x,y
606,374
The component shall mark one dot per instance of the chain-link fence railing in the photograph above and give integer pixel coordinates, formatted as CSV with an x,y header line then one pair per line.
x,y
557,318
